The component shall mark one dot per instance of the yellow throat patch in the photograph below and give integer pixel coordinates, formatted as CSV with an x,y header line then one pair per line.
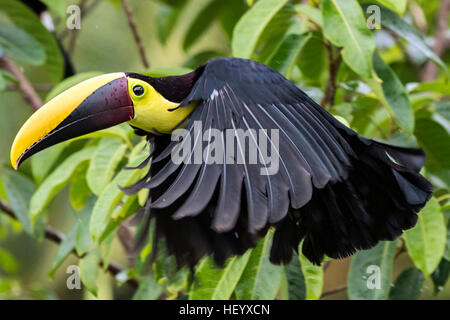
x,y
151,109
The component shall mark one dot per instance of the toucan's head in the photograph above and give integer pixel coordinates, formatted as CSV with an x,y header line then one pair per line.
x,y
102,102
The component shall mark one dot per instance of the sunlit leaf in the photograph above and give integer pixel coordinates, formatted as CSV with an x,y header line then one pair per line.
x,y
370,273
426,241
104,162
83,240
111,195
395,94
8,263
286,55
214,283
260,279
251,25
79,189
56,181
312,13
344,25
313,276
89,267
57,6
399,6
393,22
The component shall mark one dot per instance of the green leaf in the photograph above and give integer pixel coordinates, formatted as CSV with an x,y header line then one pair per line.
x,y
70,82
29,22
111,195
312,13
295,279
285,57
313,276
89,266
42,162
435,140
20,46
121,131
283,23
57,6
7,262
19,190
440,275
393,22
395,94
399,6
56,181
370,273
214,283
426,241
64,250
408,285
344,25
79,189
104,162
250,27
201,22
261,279
438,86
148,289
83,240
312,60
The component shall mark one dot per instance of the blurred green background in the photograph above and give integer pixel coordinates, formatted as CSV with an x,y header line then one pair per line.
x,y
106,44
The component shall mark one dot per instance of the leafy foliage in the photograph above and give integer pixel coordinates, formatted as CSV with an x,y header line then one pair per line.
x,y
367,78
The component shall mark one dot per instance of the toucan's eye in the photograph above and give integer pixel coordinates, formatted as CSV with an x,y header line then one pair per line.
x,y
138,90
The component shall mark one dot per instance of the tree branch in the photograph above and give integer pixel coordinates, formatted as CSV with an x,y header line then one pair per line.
x,y
25,88
430,71
134,30
126,238
333,67
334,290
58,237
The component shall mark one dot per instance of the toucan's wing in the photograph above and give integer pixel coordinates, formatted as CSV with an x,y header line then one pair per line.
x,y
317,193
244,95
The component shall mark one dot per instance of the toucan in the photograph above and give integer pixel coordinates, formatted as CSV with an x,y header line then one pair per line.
x,y
334,190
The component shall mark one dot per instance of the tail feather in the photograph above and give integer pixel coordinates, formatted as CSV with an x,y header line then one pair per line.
x,y
380,198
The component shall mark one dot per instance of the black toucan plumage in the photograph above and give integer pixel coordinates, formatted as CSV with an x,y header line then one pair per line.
x,y
336,190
